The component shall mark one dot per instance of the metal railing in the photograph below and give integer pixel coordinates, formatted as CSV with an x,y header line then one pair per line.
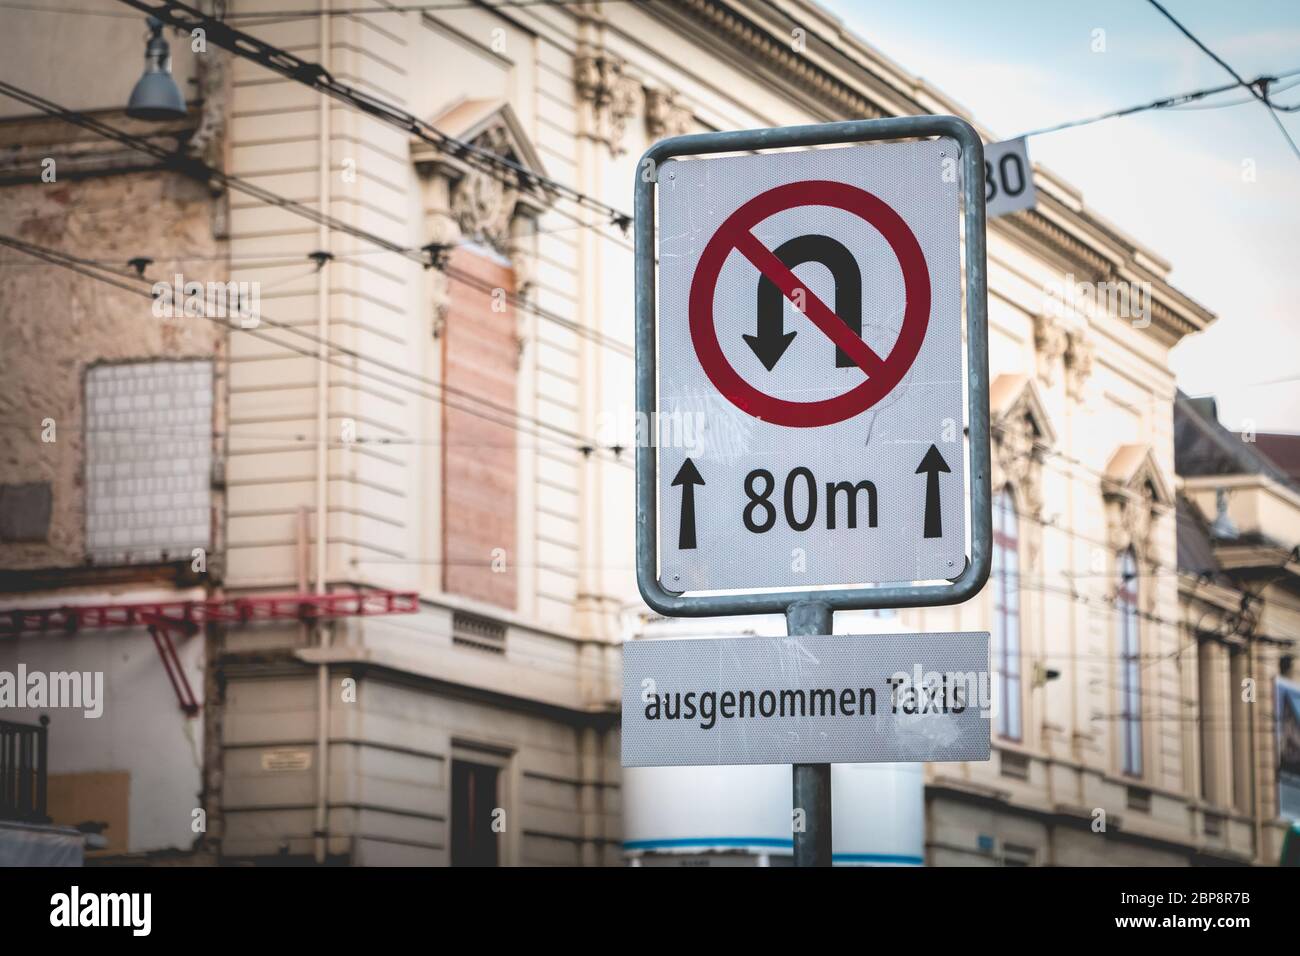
x,y
24,766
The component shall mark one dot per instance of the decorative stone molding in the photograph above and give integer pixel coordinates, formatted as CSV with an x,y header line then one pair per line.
x,y
609,98
1021,436
1136,494
1131,519
1079,353
1050,338
1019,460
483,201
664,116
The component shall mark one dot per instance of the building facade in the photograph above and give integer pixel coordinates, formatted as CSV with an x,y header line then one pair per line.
x,y
467,435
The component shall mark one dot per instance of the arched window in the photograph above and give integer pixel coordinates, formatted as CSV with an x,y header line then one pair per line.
x,y
1126,606
1005,649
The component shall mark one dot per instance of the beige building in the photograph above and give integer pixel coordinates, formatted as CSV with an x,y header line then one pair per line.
x,y
486,462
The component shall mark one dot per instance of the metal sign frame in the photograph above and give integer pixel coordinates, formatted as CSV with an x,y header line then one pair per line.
x,y
976,571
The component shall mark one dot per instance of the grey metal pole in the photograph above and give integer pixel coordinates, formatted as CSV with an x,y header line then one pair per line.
x,y
812,781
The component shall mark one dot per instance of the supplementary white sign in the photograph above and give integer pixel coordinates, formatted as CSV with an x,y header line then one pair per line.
x,y
1008,178
810,368
823,699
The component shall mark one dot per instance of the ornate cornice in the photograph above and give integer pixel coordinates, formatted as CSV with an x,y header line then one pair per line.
x,y
1078,256
756,43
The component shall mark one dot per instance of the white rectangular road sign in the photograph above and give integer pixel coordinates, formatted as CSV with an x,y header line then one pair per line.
x,y
1008,178
810,349
822,699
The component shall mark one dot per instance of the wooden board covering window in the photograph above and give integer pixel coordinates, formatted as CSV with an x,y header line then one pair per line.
x,y
480,354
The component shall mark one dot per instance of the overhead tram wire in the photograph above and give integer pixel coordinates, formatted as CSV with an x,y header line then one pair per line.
x,y
426,257
253,260
221,34
1172,101
58,258
512,419
1193,107
1254,91
84,266
242,430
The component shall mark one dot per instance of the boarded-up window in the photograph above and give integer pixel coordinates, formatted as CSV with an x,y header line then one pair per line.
x,y
480,353
100,798
25,511
148,461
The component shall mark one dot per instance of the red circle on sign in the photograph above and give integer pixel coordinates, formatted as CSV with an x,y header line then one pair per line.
x,y
916,312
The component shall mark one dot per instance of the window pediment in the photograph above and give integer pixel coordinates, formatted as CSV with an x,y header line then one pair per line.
x,y
1021,435
1134,472
482,202
1136,493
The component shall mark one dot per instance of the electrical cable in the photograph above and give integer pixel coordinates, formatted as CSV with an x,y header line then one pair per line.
x,y
1173,101
1256,92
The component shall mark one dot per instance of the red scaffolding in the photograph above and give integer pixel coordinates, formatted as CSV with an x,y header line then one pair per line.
x,y
163,617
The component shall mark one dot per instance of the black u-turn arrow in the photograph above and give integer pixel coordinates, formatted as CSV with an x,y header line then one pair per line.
x,y
772,340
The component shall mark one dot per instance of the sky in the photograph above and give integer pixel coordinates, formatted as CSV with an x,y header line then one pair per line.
x,y
1174,180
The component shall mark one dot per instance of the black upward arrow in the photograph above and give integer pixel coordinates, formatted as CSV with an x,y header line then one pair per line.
x,y
930,466
688,477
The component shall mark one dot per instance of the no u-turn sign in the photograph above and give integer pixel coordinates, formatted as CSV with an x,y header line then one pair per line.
x,y
840,323
809,326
